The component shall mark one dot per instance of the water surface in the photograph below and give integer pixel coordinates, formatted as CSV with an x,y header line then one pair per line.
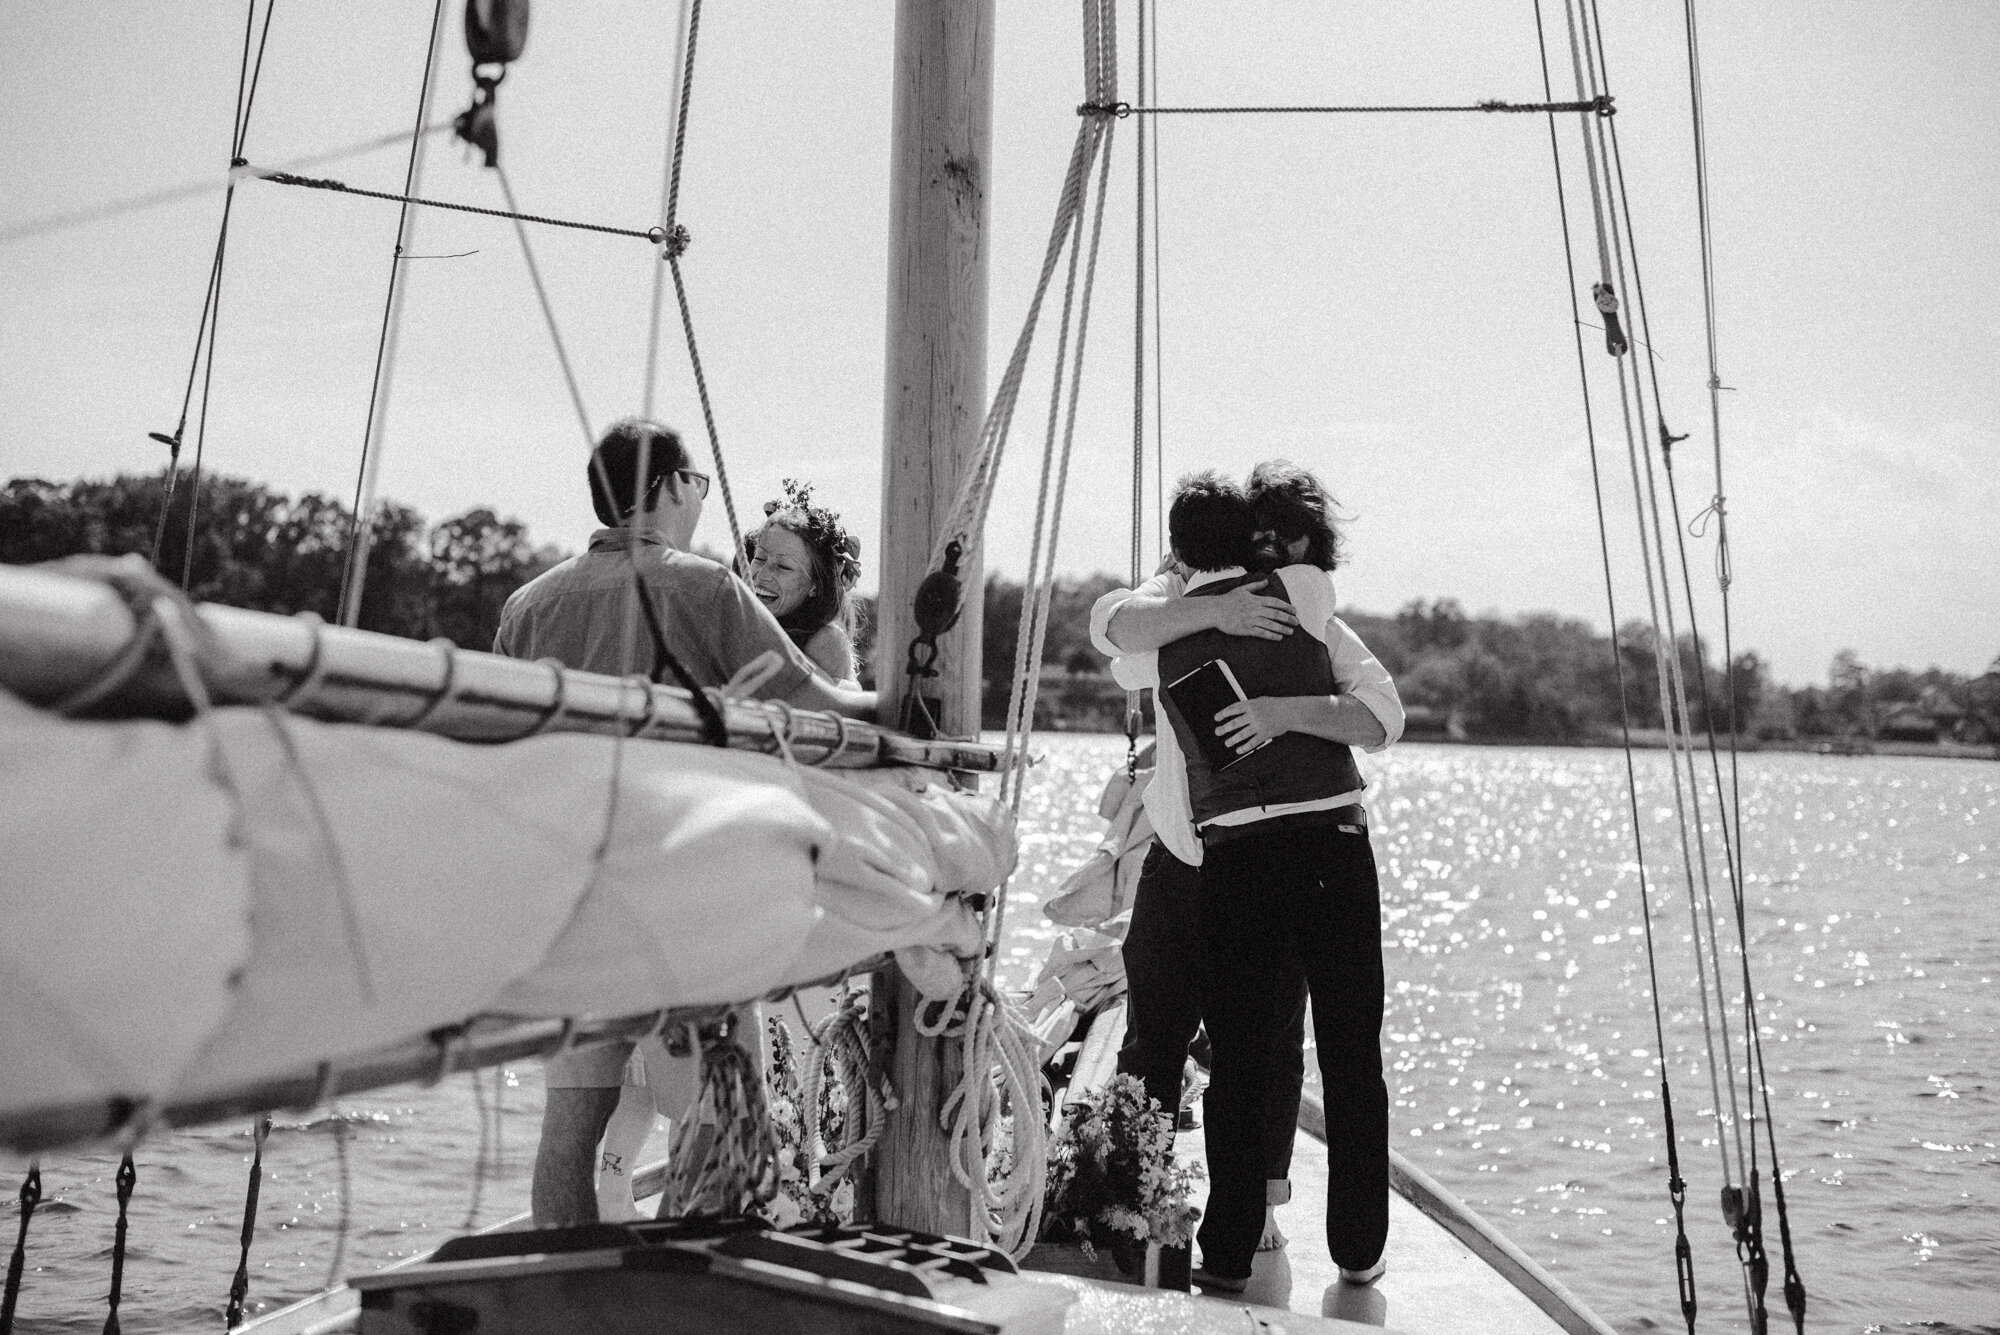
x,y
1520,1041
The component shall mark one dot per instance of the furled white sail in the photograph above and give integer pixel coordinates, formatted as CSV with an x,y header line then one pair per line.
x,y
192,908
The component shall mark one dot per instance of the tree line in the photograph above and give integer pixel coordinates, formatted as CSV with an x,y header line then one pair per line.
x,y
259,549
1535,677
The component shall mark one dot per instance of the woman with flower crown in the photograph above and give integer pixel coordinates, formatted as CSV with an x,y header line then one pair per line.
x,y
802,564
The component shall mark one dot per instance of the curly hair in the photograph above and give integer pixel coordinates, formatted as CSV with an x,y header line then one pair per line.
x,y
1295,504
835,555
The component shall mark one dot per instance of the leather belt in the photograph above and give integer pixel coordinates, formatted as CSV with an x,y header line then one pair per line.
x,y
1350,819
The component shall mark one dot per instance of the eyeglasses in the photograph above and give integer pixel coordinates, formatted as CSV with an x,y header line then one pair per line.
x,y
699,481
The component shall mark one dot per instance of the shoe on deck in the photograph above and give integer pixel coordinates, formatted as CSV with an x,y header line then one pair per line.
x,y
1368,1276
1219,1283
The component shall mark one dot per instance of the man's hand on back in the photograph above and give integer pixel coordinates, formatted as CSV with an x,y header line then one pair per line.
x,y
1252,615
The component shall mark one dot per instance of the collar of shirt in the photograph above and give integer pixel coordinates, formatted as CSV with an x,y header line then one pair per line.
x,y
1201,577
622,539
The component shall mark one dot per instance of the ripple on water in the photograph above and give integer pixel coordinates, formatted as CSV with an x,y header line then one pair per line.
x,y
1518,1042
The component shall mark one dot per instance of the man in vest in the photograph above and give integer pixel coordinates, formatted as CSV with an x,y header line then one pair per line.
x,y
1288,892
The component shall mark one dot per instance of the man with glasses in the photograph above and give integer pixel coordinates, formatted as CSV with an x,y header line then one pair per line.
x,y
583,614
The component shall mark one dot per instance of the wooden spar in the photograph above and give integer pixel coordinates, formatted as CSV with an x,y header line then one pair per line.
x,y
934,403
60,633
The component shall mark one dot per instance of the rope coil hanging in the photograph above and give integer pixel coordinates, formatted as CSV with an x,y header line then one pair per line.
x,y
736,1170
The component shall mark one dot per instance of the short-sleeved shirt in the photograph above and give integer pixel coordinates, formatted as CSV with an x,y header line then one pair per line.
x,y
582,612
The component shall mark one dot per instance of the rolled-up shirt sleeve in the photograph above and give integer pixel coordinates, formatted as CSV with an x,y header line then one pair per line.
x,y
1358,673
1134,672
1159,586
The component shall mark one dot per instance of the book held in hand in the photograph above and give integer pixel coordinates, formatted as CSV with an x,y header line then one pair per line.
x,y
1200,696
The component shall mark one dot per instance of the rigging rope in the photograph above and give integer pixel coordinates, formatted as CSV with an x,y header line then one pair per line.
x,y
346,1196
672,248
1599,105
361,522
1134,718
1611,208
239,1286
30,1197
548,311
127,1178
669,192
654,235
247,79
1032,630
1676,1184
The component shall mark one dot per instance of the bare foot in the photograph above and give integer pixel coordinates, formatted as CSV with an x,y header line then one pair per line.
x,y
1274,1238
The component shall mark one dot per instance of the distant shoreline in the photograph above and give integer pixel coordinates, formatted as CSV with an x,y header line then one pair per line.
x,y
1656,739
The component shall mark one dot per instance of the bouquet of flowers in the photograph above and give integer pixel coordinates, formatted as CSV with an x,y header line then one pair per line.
x,y
1112,1174
800,1133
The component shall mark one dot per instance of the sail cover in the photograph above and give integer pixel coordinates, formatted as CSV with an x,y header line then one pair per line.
x,y
189,908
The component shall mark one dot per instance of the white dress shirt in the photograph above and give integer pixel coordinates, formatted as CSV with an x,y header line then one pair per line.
x,y
1356,672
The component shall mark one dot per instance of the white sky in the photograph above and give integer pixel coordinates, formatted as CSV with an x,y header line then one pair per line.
x,y
1379,298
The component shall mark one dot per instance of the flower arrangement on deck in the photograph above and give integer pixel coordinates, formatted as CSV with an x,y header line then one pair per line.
x,y
801,1135
1113,1177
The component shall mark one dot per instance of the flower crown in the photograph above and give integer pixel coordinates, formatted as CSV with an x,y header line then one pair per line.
x,y
821,529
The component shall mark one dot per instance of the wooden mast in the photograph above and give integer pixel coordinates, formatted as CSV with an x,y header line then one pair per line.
x,y
935,400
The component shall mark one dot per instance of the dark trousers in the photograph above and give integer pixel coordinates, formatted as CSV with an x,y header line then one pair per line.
x,y
1294,905
1163,1008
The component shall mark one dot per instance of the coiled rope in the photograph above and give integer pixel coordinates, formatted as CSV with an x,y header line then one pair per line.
x,y
840,1059
1000,1081
736,1170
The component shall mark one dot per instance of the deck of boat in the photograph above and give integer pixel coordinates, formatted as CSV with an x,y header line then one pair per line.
x,y
1435,1283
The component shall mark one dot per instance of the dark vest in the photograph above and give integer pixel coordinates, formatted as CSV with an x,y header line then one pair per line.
x,y
1295,767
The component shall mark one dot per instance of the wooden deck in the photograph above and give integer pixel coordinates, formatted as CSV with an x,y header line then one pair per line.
x,y
1436,1283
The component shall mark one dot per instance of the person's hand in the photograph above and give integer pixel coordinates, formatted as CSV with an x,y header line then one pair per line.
x,y
1249,614
750,678
1170,564
1249,724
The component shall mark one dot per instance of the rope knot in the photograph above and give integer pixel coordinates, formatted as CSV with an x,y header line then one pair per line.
x,y
673,241
1105,109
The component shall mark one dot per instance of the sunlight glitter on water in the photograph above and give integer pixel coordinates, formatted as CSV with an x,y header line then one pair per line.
x,y
1519,1036
1518,1040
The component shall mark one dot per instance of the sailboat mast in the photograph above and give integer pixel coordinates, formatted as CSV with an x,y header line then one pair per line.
x,y
935,400
935,390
